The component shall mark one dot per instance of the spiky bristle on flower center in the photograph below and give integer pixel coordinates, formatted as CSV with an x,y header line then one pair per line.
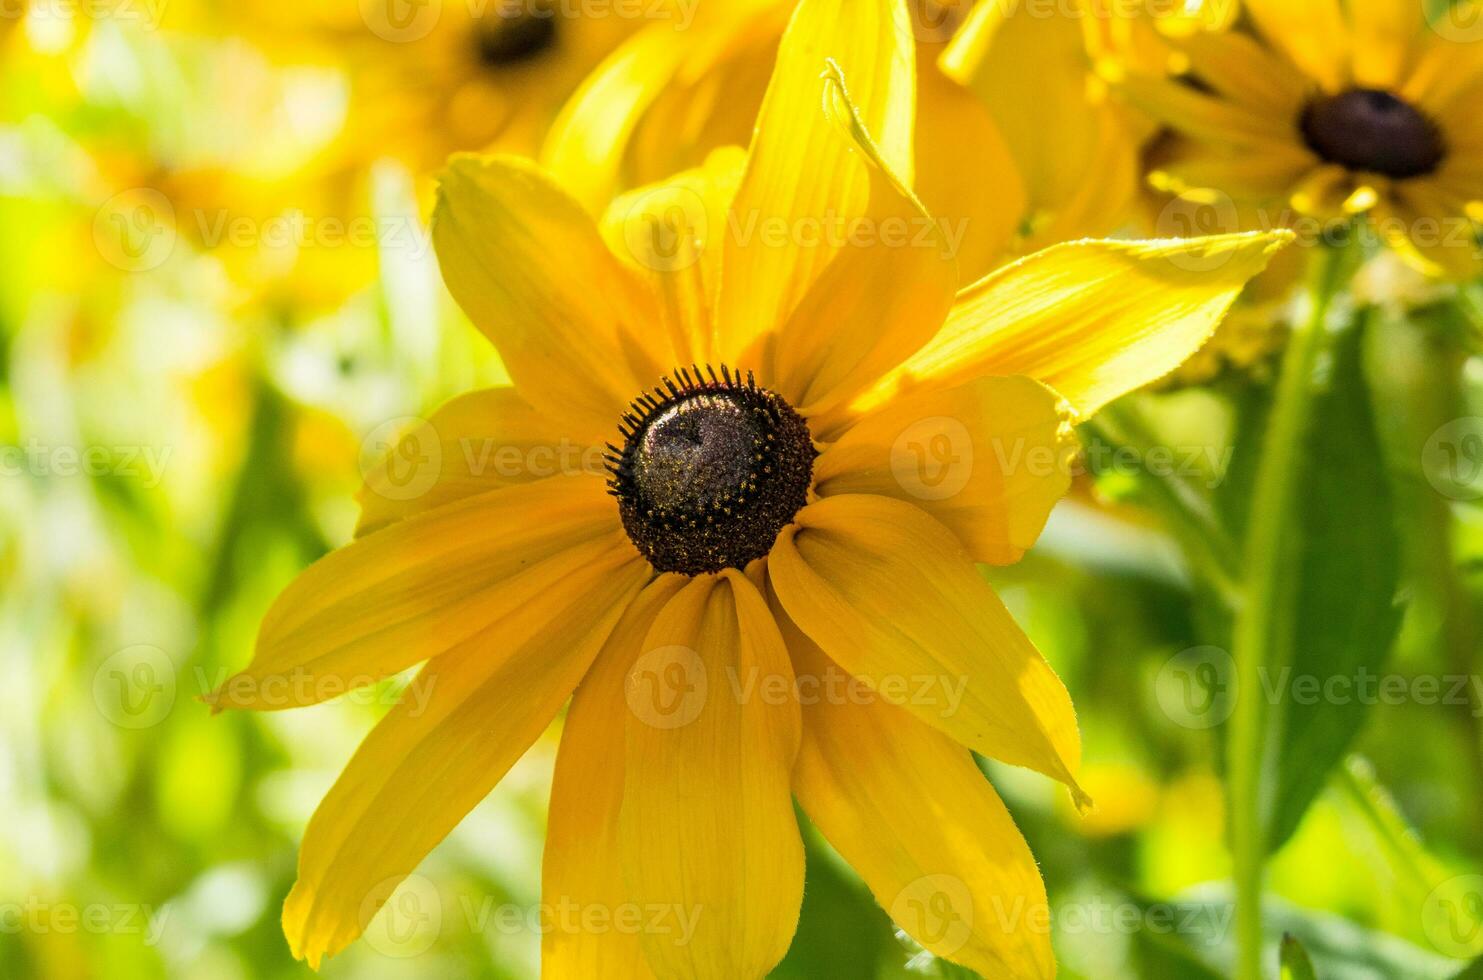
x,y
514,34
1374,131
711,468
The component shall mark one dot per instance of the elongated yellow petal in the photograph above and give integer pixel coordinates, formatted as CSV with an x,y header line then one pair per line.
x,y
1429,236
800,176
1207,117
1386,40
582,873
480,441
462,723
989,459
909,809
1312,33
1264,179
672,233
884,295
707,829
586,143
981,207
1093,320
422,586
1240,68
890,595
577,330
1028,65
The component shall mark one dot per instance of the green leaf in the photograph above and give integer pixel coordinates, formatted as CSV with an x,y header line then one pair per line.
x,y
1295,962
1344,576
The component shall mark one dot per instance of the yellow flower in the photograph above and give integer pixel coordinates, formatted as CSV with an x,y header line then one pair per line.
x,y
1333,111
428,79
765,587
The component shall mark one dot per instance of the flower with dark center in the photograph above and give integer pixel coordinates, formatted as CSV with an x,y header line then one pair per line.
x,y
1372,130
511,36
711,469
1313,109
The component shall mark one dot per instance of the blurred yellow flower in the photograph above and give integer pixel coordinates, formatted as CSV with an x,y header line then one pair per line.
x,y
738,587
1321,110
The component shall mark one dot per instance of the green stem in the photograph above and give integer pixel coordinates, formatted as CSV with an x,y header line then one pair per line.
x,y
1186,511
1255,628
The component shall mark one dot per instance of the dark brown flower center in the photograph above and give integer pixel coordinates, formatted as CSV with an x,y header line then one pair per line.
x,y
512,34
710,470
1372,130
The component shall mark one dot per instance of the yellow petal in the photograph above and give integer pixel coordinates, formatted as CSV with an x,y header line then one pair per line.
x,y
1312,34
1206,117
800,175
884,295
423,585
1025,69
1449,66
1438,241
1093,320
480,441
1027,66
586,143
707,829
1265,177
983,203
581,871
912,813
1240,68
672,233
989,459
1386,36
462,723
577,330
890,595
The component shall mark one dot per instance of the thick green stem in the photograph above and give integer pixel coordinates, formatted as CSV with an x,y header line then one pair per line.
x,y
1256,625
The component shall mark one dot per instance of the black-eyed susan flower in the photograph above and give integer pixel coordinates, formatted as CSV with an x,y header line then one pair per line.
x,y
429,79
733,499
1321,109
